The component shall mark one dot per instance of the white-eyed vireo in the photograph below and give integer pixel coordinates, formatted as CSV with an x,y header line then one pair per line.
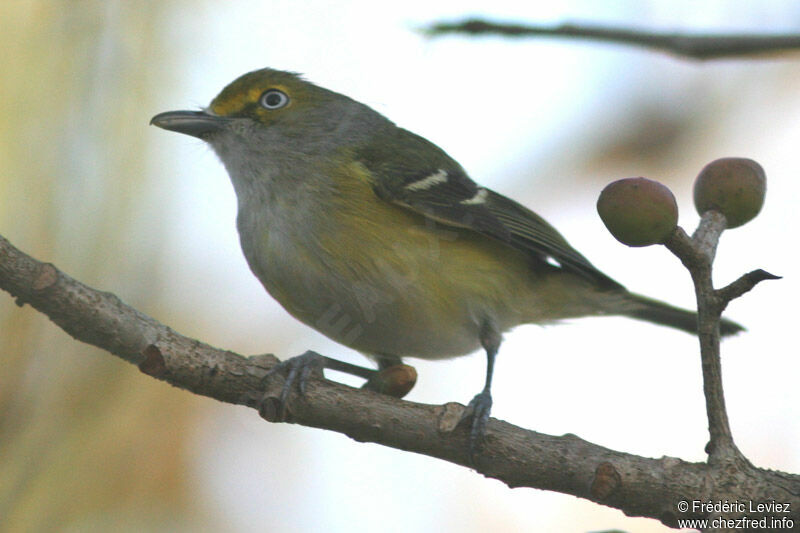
x,y
375,237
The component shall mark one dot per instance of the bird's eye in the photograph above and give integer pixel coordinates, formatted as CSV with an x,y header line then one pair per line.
x,y
273,99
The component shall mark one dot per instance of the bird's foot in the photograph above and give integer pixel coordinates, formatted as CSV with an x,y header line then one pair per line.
x,y
297,369
478,411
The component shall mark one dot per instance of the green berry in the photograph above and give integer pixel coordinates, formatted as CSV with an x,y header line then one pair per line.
x,y
638,211
734,186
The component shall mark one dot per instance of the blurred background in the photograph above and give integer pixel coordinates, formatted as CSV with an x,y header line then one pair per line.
x,y
89,443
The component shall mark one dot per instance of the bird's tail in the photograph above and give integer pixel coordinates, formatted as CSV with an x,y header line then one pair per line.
x,y
651,310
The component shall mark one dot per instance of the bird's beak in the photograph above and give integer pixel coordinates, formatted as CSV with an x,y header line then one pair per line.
x,y
195,123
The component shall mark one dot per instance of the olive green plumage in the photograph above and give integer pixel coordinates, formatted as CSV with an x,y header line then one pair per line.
x,y
380,240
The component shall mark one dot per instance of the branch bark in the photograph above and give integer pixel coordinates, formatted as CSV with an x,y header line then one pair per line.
x,y
694,46
638,486
697,255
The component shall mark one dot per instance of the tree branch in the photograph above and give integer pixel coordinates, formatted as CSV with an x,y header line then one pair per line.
x,y
743,285
694,46
638,486
697,255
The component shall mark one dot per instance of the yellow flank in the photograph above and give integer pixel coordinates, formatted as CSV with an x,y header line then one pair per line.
x,y
384,279
412,270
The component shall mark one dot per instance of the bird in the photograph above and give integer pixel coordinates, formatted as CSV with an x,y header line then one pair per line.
x,y
377,238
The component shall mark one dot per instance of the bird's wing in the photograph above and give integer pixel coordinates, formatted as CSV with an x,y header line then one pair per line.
x,y
420,176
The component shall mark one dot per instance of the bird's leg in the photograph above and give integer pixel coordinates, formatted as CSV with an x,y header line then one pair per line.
x,y
480,407
300,368
392,377
387,361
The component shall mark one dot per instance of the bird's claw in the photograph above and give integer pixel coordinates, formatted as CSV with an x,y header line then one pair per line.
x,y
297,369
478,411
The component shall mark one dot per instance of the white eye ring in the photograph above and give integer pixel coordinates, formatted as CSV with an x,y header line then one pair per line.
x,y
273,99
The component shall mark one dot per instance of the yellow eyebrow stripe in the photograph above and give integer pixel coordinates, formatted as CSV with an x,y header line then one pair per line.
x,y
236,102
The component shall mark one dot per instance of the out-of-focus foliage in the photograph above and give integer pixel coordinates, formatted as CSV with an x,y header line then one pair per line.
x,y
84,439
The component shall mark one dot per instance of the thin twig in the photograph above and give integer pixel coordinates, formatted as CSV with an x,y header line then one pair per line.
x,y
743,285
680,244
697,254
706,236
694,46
